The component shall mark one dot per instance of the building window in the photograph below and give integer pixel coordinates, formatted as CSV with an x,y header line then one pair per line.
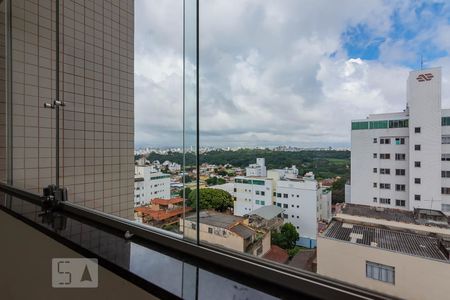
x,y
285,195
400,172
263,202
279,204
193,226
257,192
285,205
385,186
257,202
445,157
445,207
417,129
445,174
417,197
400,156
374,184
417,147
400,187
263,193
278,195
285,216
380,272
385,171
446,139
445,191
399,141
375,199
210,230
401,203
417,180
385,141
417,164
385,200
385,156
374,155
374,170
374,140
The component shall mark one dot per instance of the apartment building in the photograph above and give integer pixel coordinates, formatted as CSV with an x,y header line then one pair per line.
x,y
149,184
252,193
96,85
304,203
401,253
402,159
228,231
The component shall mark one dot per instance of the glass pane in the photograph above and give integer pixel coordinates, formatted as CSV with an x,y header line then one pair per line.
x,y
191,173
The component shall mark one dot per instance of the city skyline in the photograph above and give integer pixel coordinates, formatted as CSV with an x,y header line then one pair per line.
x,y
303,88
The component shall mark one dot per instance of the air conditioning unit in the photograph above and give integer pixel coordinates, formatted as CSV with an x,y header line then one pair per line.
x,y
379,208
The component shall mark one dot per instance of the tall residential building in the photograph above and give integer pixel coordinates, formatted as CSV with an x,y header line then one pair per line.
x,y
402,159
96,85
150,184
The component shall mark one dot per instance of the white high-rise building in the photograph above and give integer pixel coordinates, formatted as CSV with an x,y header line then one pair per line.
x,y
258,169
149,184
402,160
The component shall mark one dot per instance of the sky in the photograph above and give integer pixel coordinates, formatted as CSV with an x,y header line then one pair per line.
x,y
286,72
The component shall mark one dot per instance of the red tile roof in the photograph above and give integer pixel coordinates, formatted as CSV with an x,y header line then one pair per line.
x,y
167,201
277,254
163,214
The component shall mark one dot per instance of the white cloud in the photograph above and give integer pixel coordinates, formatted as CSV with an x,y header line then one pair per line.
x,y
272,72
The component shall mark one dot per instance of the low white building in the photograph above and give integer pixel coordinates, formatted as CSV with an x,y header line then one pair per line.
x,y
258,169
149,184
174,167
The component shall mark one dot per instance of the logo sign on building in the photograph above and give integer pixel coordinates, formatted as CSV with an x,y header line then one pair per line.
x,y
424,77
74,273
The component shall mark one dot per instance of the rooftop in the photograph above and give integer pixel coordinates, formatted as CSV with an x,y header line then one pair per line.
x,y
217,219
267,212
391,240
277,254
243,231
161,201
419,216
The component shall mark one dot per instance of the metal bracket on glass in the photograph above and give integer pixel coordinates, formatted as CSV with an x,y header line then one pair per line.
x,y
53,196
56,103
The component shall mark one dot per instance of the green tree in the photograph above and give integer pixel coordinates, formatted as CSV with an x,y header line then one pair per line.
x,y
212,199
215,181
338,189
287,237
188,191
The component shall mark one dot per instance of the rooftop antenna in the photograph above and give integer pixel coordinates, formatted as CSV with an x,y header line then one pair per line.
x,y
421,62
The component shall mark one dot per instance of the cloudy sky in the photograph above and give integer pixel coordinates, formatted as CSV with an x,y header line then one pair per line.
x,y
285,72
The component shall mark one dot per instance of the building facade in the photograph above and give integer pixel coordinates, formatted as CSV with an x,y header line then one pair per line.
x,y
402,159
96,84
252,193
228,231
305,203
150,184
396,252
